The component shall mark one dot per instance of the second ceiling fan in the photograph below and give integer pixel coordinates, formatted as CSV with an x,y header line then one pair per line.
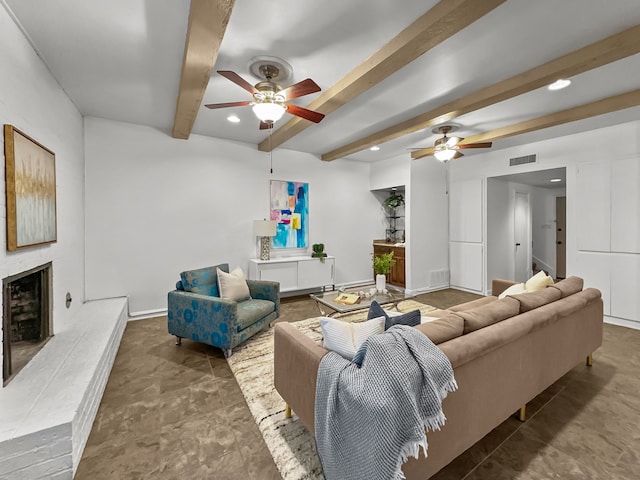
x,y
270,99
447,148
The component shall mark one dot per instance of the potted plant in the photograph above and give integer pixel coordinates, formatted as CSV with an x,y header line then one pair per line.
x,y
318,251
394,200
382,267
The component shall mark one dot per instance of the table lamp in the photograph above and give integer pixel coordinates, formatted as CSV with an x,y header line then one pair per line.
x,y
264,229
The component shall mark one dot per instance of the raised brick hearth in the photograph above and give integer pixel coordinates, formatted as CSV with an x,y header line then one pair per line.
x,y
48,408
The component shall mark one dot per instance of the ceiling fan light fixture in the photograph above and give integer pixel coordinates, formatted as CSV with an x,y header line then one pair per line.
x,y
445,154
269,112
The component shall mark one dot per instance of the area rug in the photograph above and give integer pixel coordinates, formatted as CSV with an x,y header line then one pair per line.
x,y
292,446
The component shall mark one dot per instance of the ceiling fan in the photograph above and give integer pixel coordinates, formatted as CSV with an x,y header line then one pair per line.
x,y
447,148
269,98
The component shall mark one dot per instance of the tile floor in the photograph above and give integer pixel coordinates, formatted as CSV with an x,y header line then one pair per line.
x,y
177,413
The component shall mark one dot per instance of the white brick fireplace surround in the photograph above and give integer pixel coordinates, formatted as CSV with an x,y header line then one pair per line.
x,y
48,408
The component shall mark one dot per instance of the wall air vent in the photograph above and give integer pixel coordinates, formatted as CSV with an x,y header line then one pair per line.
x,y
522,160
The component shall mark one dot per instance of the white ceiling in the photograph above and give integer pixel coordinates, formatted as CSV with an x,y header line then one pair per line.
x,y
121,60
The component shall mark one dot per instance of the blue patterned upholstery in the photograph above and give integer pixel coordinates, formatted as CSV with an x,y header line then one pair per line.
x,y
203,280
216,321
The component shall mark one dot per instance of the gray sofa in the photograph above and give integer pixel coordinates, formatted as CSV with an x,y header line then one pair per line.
x,y
504,353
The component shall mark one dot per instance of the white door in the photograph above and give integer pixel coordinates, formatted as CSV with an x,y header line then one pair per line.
x,y
522,237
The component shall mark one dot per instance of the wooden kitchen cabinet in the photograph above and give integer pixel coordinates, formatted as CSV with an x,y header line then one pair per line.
x,y
397,276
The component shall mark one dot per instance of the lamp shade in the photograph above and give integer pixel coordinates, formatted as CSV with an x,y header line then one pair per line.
x,y
445,154
264,228
268,111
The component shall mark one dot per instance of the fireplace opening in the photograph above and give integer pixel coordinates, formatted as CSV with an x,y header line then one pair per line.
x,y
26,319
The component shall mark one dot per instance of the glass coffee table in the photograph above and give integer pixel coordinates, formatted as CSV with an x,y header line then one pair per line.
x,y
329,307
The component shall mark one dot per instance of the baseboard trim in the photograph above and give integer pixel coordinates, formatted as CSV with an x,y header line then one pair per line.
x,y
144,314
419,291
621,322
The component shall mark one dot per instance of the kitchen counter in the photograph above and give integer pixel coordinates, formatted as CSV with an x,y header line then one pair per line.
x,y
384,243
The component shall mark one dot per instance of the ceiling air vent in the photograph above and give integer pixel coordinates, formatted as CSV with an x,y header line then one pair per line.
x,y
522,160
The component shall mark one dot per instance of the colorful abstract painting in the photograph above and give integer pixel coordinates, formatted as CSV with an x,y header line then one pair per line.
x,y
290,209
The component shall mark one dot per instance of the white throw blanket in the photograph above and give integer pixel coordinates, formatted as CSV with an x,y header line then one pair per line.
x,y
371,414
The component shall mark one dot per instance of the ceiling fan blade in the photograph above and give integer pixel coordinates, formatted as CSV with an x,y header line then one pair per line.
x,y
238,80
300,89
477,145
228,104
457,155
265,125
305,113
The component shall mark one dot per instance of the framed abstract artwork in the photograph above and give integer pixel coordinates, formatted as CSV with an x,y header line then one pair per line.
x,y
290,209
30,174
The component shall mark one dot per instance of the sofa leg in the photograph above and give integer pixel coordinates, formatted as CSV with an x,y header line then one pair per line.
x,y
178,340
522,414
287,411
589,360
227,352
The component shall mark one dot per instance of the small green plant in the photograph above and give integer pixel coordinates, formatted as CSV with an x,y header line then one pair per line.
x,y
382,263
395,200
318,251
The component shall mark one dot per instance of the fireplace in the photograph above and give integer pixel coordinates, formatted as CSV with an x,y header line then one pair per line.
x,y
26,319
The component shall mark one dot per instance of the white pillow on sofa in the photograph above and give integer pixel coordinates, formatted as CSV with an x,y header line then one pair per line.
x,y
345,338
514,289
539,281
233,286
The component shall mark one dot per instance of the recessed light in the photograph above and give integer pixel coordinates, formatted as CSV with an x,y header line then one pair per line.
x,y
375,148
233,119
559,84
555,180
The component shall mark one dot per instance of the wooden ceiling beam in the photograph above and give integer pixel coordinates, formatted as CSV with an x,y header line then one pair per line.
x,y
588,110
208,21
610,49
443,21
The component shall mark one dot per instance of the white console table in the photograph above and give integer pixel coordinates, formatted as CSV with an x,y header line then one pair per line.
x,y
295,273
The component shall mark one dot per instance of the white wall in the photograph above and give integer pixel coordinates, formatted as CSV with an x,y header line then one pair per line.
x,y
428,259
157,206
32,101
466,232
391,172
603,231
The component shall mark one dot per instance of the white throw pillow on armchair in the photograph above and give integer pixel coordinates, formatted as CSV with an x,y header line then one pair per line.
x,y
233,285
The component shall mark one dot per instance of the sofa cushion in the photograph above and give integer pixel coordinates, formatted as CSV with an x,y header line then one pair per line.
x,y
203,280
569,286
250,311
233,285
531,300
489,314
472,304
345,338
410,319
539,281
438,313
443,329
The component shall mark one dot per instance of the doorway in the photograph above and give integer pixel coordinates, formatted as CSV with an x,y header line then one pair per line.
x,y
561,237
502,255
522,237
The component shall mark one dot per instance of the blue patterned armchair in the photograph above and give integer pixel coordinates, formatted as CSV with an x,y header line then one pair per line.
x,y
196,311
